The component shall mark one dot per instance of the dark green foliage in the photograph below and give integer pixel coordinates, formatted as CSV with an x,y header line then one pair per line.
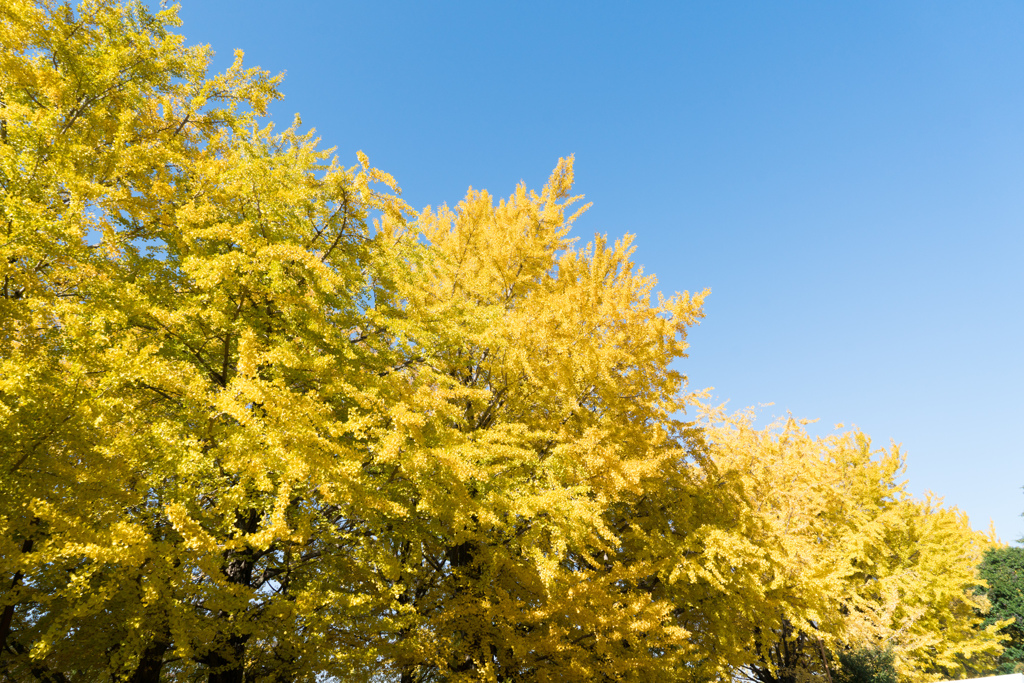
x,y
1003,569
866,665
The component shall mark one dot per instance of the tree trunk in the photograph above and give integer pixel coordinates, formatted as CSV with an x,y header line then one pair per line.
x,y
151,662
232,670
8,615
227,664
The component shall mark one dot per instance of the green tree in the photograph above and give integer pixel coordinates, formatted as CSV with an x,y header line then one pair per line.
x,y
866,665
1003,570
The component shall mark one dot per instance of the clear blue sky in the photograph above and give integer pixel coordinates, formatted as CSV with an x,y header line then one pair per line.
x,y
847,178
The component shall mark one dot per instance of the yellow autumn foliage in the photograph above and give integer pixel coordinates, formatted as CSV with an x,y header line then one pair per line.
x,y
262,421
861,564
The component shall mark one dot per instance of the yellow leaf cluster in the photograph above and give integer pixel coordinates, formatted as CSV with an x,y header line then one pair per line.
x,y
856,562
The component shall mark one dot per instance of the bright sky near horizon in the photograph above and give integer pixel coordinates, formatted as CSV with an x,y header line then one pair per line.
x,y
846,177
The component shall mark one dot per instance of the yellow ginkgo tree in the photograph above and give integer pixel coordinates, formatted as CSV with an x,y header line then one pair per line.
x,y
249,437
860,563
188,300
540,395
100,110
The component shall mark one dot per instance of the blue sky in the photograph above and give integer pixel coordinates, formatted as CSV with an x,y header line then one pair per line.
x,y
847,179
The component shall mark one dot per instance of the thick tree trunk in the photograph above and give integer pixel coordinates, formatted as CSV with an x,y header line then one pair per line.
x,y
151,663
232,670
8,614
227,664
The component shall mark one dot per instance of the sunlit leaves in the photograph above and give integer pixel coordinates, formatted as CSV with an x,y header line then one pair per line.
x,y
261,420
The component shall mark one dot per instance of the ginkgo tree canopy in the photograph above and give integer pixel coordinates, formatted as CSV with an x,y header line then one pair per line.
x,y
262,421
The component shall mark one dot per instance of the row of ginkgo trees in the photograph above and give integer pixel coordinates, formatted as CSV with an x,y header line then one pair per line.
x,y
261,421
